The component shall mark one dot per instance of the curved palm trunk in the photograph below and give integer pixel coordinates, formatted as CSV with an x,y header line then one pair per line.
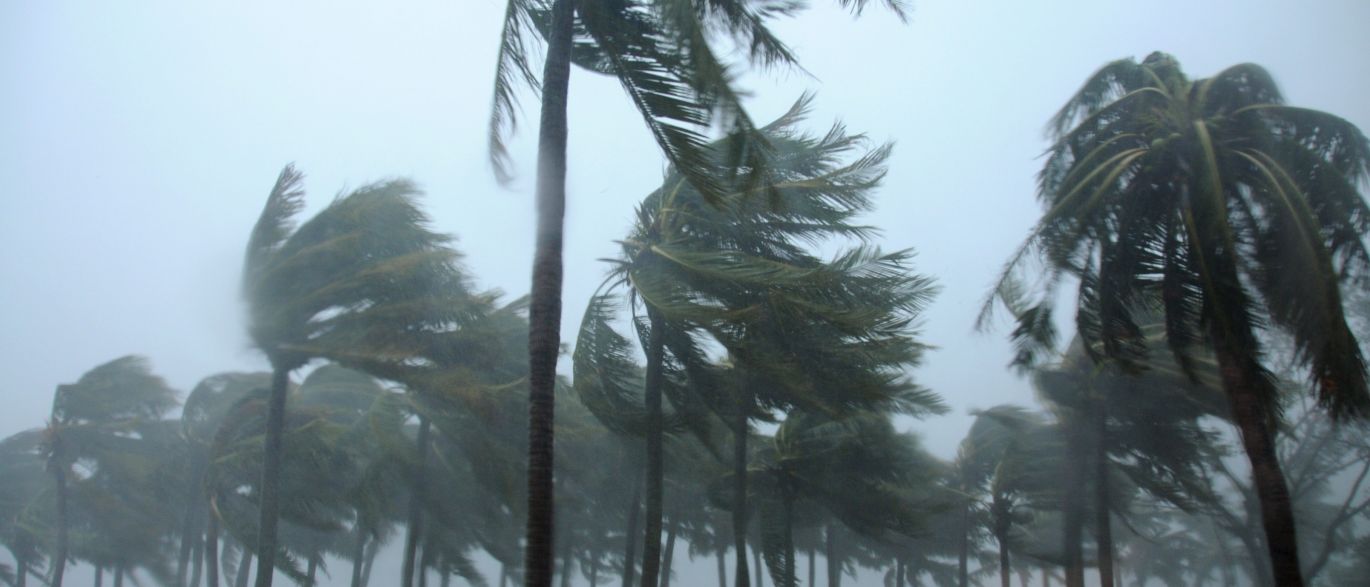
x,y
59,558
544,315
1277,514
630,542
668,556
1001,524
271,478
198,556
744,402
651,540
411,539
372,549
1102,523
244,570
358,557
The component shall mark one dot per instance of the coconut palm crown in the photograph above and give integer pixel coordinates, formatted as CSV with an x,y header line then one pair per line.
x,y
1240,213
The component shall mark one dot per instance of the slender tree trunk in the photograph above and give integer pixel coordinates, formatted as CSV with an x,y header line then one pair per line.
x,y
566,561
651,541
119,575
744,402
271,478
99,576
963,557
197,556
1277,514
187,544
722,567
312,570
1046,577
59,557
1103,528
358,557
446,580
415,528
669,555
212,549
630,542
1074,478
21,572
372,548
756,560
1005,574
503,575
834,558
789,542
544,317
244,569
899,573
594,570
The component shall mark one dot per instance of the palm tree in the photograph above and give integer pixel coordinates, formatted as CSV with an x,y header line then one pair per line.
x,y
23,501
361,278
95,418
662,52
1239,213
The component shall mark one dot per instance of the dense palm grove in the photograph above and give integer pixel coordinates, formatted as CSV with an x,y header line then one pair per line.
x,y
739,388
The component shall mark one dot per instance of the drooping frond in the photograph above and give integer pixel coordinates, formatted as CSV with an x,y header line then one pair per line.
x,y
512,69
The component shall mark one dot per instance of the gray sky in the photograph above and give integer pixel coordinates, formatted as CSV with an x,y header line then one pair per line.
x,y
140,139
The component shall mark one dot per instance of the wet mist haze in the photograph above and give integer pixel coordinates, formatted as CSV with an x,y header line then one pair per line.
x,y
142,141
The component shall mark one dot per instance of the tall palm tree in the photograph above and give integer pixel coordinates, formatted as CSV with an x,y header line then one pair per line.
x,y
360,278
96,417
662,52
1239,213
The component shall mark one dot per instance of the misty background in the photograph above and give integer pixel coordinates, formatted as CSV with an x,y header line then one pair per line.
x,y
139,141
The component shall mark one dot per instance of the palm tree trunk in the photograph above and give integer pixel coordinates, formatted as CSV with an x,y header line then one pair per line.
x,y
1074,505
212,550
99,576
790,573
411,539
669,555
312,570
59,558
1238,372
186,546
1005,574
651,540
544,314
834,559
119,575
744,402
425,563
756,560
244,570
630,540
358,557
566,564
722,567
1102,524
963,565
271,478
197,555
21,572
372,548
899,573
503,575
594,569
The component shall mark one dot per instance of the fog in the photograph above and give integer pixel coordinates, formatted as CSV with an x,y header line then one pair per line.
x,y
141,141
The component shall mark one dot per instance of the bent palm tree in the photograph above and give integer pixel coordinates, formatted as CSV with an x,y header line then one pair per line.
x,y
1240,213
359,279
662,53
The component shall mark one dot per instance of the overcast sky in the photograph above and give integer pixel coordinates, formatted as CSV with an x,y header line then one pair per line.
x,y
139,140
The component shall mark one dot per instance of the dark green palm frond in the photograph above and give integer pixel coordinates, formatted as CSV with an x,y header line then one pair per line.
x,y
607,380
275,223
512,68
